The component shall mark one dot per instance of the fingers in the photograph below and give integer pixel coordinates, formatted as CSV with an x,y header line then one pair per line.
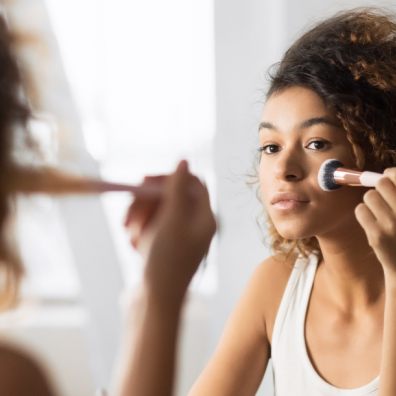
x,y
184,197
144,207
145,192
181,188
381,201
391,173
142,211
377,213
141,199
177,182
377,205
387,188
365,216
139,216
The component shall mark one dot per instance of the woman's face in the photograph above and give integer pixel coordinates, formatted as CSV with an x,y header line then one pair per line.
x,y
297,133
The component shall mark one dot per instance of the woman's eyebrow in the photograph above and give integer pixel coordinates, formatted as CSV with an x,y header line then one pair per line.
x,y
319,120
305,124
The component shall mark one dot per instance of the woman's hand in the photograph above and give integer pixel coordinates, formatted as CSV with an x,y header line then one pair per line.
x,y
172,232
377,216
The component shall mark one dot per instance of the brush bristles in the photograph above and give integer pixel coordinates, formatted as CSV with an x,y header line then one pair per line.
x,y
326,175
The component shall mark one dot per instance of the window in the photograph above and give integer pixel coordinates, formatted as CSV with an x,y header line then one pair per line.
x,y
142,74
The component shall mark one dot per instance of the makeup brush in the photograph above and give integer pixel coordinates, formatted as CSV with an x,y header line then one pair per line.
x,y
332,176
46,180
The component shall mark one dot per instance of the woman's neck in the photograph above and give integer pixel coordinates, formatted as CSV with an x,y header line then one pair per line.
x,y
350,270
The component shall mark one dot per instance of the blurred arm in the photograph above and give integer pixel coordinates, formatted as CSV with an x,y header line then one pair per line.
x,y
151,347
239,363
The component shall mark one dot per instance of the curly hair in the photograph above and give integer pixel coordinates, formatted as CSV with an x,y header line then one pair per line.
x,y
349,61
14,115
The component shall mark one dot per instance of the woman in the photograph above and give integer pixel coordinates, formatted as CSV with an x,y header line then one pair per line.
x,y
323,307
177,227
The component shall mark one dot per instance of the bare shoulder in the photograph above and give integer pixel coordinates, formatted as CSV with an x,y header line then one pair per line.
x,y
275,267
272,275
21,375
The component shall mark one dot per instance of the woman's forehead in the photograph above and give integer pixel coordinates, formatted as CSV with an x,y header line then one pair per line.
x,y
297,99
296,107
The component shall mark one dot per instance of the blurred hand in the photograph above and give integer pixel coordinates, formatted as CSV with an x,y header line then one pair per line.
x,y
172,232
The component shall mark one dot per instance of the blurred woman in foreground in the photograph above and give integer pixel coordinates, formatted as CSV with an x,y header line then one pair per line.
x,y
172,232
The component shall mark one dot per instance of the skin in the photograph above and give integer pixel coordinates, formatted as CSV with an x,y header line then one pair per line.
x,y
20,375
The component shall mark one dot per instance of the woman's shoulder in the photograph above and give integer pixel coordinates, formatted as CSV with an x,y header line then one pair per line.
x,y
278,264
271,277
273,272
20,374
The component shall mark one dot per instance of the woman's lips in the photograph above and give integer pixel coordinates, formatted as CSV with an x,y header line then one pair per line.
x,y
289,201
289,204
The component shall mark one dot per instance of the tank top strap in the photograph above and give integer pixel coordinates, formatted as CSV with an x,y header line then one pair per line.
x,y
299,282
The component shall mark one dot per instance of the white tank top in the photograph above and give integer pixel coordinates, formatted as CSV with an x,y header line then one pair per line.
x,y
293,373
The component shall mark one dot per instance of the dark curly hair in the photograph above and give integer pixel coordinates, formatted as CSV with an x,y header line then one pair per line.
x,y
349,60
14,115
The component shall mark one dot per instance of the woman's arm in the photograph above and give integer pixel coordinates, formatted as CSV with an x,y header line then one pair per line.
x,y
150,348
240,360
377,216
172,234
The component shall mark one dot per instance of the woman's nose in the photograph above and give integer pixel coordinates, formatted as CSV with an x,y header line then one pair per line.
x,y
289,168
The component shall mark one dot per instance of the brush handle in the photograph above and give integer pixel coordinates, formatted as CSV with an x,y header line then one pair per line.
x,y
93,186
351,177
370,179
52,181
100,186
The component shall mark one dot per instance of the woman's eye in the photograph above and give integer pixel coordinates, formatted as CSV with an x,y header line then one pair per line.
x,y
269,149
318,144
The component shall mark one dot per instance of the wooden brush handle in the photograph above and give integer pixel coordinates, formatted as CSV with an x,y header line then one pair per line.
x,y
48,180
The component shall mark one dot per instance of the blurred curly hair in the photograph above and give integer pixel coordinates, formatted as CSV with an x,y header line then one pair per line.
x,y
349,60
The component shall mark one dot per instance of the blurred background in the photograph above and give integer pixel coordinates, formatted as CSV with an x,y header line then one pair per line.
x,y
126,89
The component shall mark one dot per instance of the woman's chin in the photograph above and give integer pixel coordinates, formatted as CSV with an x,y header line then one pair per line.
x,y
292,233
